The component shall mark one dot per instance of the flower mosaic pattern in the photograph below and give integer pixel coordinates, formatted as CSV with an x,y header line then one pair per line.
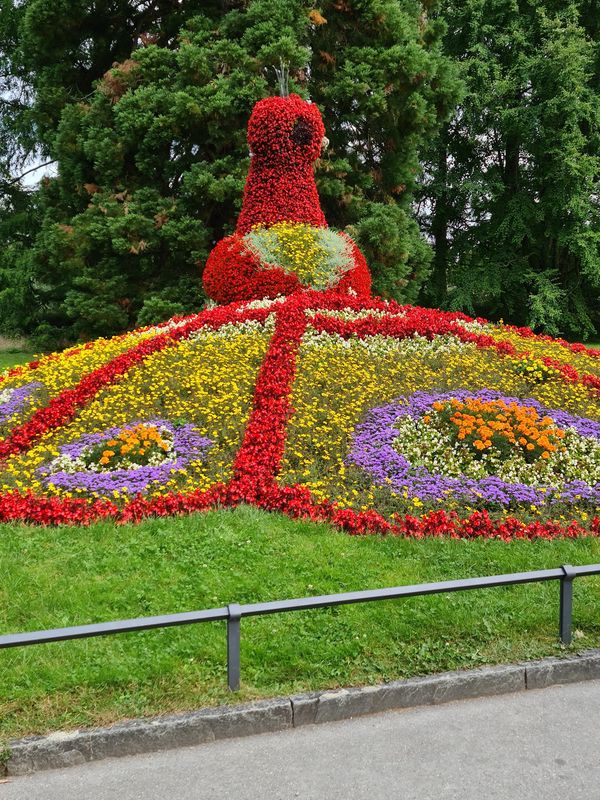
x,y
71,472
378,448
289,405
287,398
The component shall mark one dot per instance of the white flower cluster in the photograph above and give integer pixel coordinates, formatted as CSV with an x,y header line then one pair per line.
x,y
265,302
424,445
384,345
579,458
165,327
5,395
349,315
232,329
475,327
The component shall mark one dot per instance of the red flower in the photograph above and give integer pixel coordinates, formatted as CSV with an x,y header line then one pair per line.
x,y
285,136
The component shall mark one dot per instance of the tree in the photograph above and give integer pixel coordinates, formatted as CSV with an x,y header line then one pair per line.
x,y
510,197
19,216
151,173
152,162
384,86
52,53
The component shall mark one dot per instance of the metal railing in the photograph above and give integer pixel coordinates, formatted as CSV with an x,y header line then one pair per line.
x,y
233,612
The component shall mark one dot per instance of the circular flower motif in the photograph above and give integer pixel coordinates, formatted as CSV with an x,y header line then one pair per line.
x,y
13,400
129,459
412,445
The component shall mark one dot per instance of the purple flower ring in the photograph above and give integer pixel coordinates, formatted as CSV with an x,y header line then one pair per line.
x,y
66,471
14,400
377,448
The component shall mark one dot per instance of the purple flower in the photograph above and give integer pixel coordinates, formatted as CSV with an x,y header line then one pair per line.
x,y
373,450
17,399
188,445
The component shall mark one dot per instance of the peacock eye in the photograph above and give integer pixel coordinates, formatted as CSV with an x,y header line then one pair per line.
x,y
302,132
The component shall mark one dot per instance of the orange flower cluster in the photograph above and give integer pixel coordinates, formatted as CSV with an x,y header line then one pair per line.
x,y
501,425
141,440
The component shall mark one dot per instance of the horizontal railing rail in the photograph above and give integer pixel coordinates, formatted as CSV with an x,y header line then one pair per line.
x,y
234,612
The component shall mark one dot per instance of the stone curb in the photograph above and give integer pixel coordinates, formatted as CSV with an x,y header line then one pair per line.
x,y
67,748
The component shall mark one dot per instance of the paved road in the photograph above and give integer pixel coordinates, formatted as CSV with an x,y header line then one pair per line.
x,y
537,744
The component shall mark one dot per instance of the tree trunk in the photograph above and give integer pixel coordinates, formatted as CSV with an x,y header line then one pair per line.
x,y
439,225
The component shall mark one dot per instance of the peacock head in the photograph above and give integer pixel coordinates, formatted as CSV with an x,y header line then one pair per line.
x,y
286,129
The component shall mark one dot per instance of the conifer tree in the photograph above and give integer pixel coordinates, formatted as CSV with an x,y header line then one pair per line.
x,y
510,195
153,159
384,86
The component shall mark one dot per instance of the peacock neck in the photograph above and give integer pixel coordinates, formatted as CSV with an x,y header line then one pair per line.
x,y
273,194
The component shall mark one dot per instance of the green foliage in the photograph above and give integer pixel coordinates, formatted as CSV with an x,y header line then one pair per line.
x,y
59,49
511,191
152,152
151,172
157,309
398,257
384,86
144,106
19,218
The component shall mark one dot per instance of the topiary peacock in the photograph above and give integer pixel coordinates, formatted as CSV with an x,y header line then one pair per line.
x,y
282,243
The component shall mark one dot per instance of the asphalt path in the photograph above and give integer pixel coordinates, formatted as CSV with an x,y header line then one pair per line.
x,y
530,745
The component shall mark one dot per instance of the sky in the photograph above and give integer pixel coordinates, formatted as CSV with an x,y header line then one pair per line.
x,y
33,178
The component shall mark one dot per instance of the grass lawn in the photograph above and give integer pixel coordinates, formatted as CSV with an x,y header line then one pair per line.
x,y
52,577
8,358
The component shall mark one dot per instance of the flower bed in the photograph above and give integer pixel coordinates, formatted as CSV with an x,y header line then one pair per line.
x,y
377,417
131,459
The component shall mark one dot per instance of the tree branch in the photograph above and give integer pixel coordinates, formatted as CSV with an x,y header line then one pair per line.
x,y
33,169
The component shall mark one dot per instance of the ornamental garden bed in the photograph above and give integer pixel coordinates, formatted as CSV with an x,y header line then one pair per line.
x,y
377,417
201,385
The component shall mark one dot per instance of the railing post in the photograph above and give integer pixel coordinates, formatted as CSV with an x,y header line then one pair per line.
x,y
566,603
233,647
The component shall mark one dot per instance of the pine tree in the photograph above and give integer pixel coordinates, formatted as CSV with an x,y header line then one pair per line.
x,y
54,52
511,191
19,218
384,86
